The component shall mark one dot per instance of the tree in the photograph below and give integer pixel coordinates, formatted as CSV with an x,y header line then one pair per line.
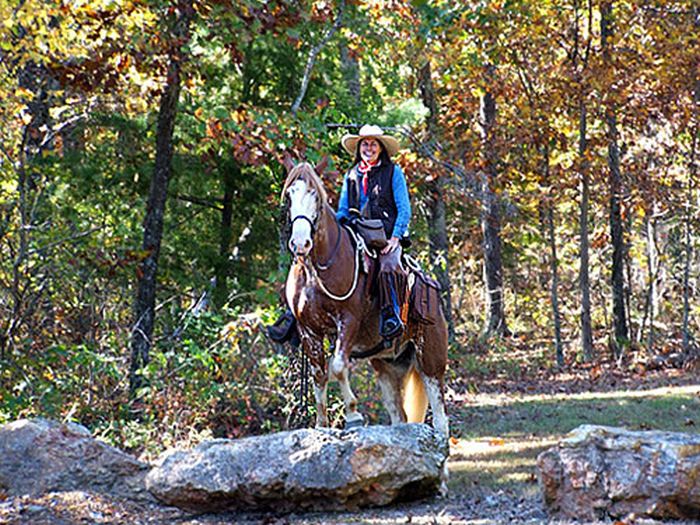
x,y
621,335
437,228
491,213
579,56
144,306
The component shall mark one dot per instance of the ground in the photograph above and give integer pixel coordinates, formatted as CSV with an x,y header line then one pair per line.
x,y
500,422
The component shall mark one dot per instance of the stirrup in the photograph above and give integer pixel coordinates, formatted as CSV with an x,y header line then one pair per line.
x,y
391,326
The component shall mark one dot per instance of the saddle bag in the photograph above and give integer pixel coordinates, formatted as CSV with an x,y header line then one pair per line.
x,y
425,306
372,231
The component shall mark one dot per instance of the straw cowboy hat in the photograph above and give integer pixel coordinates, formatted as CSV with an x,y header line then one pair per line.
x,y
350,142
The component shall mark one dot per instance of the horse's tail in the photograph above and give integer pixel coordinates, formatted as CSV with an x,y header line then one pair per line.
x,y
415,400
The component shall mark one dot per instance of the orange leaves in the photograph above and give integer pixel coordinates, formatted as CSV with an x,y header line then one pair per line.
x,y
214,128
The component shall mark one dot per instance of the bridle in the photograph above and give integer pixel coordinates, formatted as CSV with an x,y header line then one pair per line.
x,y
313,268
311,223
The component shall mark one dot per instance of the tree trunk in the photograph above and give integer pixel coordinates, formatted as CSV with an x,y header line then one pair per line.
x,y
437,224
491,220
144,308
230,174
652,303
621,334
351,73
692,174
584,278
553,264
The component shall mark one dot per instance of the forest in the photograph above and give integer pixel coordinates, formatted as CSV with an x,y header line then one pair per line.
x,y
551,152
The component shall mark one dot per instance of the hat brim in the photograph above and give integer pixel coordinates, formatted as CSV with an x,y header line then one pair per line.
x,y
350,142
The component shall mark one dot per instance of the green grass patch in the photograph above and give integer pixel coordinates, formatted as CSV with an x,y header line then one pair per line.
x,y
676,410
499,440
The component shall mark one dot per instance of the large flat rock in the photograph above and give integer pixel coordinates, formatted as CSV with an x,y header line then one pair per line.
x,y
40,456
604,471
319,469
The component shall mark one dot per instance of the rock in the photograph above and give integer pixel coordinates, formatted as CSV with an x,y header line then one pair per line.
x,y
39,456
603,471
313,469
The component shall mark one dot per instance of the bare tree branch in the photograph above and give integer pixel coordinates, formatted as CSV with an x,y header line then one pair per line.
x,y
64,240
208,203
314,53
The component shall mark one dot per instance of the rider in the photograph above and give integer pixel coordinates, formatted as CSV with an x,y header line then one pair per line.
x,y
374,188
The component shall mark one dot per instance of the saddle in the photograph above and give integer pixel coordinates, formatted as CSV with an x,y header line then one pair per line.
x,y
422,302
423,296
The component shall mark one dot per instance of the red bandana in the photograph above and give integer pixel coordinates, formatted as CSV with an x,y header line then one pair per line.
x,y
364,167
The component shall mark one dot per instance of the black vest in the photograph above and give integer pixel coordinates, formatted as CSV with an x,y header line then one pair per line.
x,y
380,203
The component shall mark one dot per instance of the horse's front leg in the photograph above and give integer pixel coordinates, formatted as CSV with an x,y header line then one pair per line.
x,y
340,368
314,351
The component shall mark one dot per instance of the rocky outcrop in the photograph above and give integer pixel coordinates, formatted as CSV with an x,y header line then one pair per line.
x,y
39,456
304,469
603,471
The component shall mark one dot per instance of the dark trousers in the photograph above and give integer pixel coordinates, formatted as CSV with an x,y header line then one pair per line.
x,y
393,280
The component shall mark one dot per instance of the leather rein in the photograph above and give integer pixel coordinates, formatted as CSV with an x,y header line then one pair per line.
x,y
315,267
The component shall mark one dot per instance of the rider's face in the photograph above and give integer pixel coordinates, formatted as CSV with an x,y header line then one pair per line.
x,y
370,150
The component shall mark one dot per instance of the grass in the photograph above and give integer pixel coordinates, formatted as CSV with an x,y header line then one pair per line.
x,y
670,408
498,437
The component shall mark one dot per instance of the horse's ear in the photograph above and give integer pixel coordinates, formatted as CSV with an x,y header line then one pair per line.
x,y
287,161
322,165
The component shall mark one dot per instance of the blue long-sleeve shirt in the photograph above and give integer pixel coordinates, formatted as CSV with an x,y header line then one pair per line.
x,y
398,185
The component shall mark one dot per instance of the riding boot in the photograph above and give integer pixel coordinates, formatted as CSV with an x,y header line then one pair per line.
x,y
390,324
285,330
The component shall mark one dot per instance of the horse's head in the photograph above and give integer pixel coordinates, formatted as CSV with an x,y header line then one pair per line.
x,y
307,197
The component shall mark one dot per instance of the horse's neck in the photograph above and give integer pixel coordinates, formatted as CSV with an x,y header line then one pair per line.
x,y
326,236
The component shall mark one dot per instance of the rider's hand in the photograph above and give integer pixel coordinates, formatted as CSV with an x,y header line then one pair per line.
x,y
391,245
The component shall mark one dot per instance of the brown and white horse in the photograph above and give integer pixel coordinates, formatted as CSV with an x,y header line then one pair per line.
x,y
330,297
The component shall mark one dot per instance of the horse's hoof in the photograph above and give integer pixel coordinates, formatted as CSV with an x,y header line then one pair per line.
x,y
354,423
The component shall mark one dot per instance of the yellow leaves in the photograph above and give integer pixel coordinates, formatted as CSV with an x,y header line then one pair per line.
x,y
24,93
497,442
136,105
239,116
56,112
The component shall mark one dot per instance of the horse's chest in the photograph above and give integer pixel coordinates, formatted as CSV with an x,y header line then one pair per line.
x,y
305,300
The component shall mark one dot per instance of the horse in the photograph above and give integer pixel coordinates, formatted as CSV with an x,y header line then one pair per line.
x,y
330,295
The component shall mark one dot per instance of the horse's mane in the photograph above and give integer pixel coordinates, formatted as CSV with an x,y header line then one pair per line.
x,y
306,172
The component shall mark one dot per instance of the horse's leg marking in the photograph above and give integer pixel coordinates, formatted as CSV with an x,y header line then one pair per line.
x,y
340,370
391,394
437,404
320,392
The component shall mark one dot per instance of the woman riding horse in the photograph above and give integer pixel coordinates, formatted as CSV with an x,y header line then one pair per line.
x,y
333,302
374,188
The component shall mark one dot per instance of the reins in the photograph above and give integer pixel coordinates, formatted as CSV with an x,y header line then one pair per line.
x,y
356,273
327,264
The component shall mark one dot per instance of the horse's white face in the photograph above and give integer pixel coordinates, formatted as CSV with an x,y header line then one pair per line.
x,y
303,211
